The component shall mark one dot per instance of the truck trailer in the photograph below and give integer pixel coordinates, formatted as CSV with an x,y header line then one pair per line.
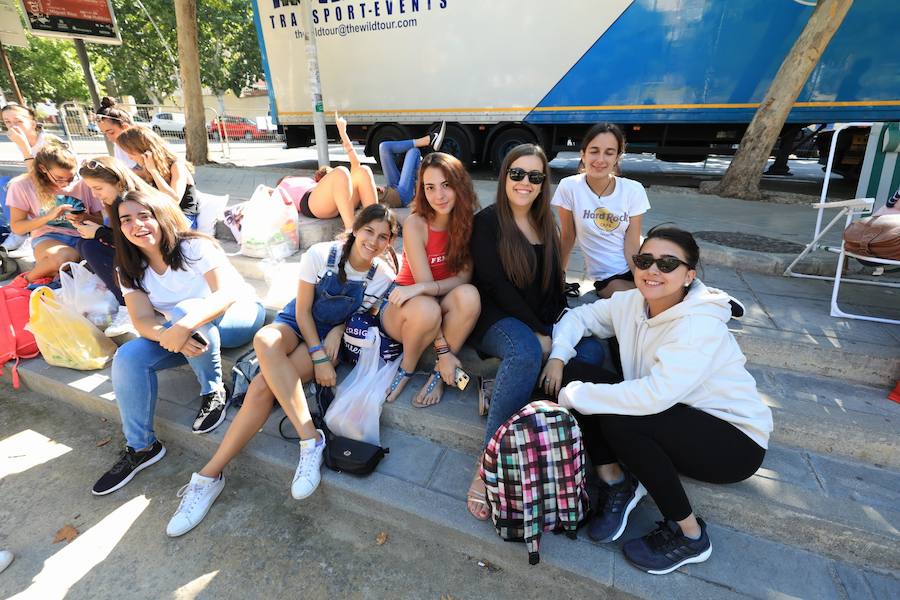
x,y
682,77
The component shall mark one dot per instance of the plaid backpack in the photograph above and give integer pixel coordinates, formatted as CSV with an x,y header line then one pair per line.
x,y
533,469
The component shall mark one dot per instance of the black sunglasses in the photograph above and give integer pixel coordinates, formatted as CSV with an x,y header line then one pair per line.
x,y
517,174
665,264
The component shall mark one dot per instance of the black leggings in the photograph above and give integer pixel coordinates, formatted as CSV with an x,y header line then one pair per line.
x,y
656,448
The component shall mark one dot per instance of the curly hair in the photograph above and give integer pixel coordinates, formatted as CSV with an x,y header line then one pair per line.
x,y
51,155
463,213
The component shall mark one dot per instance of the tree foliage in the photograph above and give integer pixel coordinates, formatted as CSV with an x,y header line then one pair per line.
x,y
48,69
229,50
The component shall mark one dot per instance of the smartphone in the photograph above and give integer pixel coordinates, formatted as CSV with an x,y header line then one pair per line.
x,y
77,211
199,338
462,379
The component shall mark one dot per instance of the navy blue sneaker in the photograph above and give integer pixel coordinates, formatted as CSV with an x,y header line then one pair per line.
x,y
609,521
665,548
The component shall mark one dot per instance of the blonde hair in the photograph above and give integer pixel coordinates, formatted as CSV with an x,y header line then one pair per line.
x,y
52,154
138,140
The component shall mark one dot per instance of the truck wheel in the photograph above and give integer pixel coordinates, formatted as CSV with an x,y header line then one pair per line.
x,y
506,141
385,134
457,143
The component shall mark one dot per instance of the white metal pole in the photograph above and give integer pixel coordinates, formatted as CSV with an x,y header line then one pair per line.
x,y
315,88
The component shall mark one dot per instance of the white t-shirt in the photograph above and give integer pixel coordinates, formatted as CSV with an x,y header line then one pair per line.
x,y
173,286
600,223
120,154
314,265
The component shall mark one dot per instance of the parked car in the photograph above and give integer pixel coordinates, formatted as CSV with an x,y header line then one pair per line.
x,y
141,121
168,123
236,128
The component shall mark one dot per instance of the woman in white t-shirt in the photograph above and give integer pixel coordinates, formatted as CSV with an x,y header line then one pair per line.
x,y
166,268
337,279
602,212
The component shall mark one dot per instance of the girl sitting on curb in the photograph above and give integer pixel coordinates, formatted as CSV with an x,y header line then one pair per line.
x,y
44,202
166,268
337,279
687,404
433,300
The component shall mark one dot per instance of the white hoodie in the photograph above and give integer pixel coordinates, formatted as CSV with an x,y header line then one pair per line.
x,y
683,355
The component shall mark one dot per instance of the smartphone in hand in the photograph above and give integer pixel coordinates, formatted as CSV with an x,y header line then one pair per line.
x,y
200,338
462,379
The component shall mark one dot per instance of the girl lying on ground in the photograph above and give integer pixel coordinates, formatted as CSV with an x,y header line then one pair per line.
x,y
333,192
433,300
46,202
687,404
166,268
161,168
108,179
401,184
337,279
520,280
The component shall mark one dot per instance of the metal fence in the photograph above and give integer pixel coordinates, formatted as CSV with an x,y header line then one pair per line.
x,y
229,131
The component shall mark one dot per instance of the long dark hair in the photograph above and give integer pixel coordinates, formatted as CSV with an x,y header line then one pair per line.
x,y
516,252
108,111
174,228
373,212
463,213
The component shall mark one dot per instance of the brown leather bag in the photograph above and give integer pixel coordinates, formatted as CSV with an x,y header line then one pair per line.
x,y
877,236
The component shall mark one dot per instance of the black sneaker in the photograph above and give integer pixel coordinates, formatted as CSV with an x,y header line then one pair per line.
x,y
438,138
665,548
609,522
212,411
737,308
128,466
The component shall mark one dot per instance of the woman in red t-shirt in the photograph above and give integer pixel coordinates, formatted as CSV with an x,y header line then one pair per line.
x,y
433,300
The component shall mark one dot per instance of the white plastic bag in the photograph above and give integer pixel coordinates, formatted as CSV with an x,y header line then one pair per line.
x,y
86,294
356,410
210,209
269,226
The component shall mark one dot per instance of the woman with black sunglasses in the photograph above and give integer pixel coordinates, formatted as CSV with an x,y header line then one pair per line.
x,y
687,404
519,278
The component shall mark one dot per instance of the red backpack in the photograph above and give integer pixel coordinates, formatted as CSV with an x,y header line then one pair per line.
x,y
15,342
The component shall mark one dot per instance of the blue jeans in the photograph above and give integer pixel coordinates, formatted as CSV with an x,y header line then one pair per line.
x,y
137,362
405,180
100,258
517,346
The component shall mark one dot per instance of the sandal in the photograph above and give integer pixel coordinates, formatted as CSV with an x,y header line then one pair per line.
x,y
572,289
477,497
485,390
395,382
435,379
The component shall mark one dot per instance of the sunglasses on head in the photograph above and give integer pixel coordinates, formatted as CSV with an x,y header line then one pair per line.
x,y
535,177
665,264
93,165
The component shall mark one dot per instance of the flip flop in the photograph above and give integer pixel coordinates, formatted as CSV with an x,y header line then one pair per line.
x,y
400,376
435,378
475,497
485,389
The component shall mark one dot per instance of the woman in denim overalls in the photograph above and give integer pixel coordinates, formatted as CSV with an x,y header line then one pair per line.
x,y
303,343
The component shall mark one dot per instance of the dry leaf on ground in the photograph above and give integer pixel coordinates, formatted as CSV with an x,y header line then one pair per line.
x,y
67,533
381,538
102,443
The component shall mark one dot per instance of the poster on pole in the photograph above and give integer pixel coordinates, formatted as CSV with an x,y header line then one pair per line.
x,y
90,20
12,32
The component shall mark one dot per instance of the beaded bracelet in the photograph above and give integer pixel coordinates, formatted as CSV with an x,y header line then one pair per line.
x,y
315,349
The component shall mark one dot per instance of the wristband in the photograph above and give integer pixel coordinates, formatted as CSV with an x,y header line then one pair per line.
x,y
319,361
315,349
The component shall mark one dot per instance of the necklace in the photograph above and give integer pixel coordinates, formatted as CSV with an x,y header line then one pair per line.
x,y
608,183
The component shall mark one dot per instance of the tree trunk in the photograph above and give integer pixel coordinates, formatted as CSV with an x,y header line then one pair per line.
x,y
741,180
189,60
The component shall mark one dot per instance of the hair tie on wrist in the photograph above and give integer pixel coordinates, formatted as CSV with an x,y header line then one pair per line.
x,y
315,349
319,361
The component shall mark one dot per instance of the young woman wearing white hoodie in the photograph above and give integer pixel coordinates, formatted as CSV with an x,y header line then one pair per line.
x,y
687,404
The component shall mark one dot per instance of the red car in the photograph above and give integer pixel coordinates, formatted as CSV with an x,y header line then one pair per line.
x,y
236,128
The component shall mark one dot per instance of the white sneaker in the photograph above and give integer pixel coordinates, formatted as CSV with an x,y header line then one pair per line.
x,y
308,473
121,324
438,138
13,241
197,498
6,558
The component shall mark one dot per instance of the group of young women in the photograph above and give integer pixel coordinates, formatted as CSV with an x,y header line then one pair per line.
x,y
677,401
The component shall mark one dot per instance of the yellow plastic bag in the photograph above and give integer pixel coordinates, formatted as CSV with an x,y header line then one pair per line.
x,y
64,337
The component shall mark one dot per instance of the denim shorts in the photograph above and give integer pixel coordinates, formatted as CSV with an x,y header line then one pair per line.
x,y
69,240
